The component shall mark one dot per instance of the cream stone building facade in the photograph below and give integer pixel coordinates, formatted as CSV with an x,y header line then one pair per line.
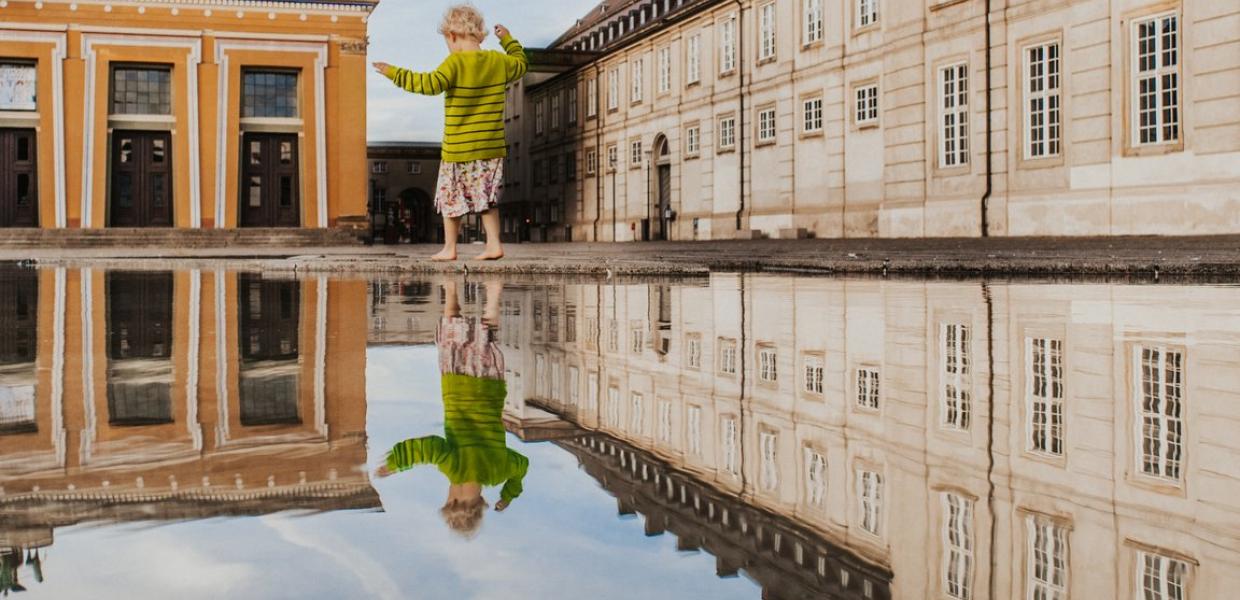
x,y
709,119
969,440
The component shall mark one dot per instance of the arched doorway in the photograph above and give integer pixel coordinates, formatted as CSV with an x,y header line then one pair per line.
x,y
662,214
418,221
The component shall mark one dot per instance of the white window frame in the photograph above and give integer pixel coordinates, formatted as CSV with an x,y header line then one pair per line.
x,y
665,421
636,92
613,89
1168,575
1044,396
867,13
811,113
812,371
815,477
768,364
1046,559
636,422
1160,413
870,501
957,546
592,97
955,369
727,46
555,111
869,388
539,116
728,445
613,158
812,22
693,140
415,167
767,125
953,123
574,385
665,69
635,153
1165,126
694,418
768,473
766,32
572,106
693,59
591,162
613,406
727,356
693,351
592,390
727,133
557,381
1043,114
866,107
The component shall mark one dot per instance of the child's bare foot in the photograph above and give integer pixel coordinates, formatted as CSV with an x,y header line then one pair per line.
x,y
445,255
491,254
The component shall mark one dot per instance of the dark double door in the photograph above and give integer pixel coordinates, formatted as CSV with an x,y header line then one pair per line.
x,y
19,190
141,190
139,345
270,332
270,187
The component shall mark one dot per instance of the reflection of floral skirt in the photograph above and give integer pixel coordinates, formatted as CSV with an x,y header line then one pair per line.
x,y
469,187
468,347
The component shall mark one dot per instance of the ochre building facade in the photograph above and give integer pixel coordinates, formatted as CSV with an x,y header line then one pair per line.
x,y
708,119
183,113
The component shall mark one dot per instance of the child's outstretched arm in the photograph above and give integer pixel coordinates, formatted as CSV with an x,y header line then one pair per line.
x,y
516,62
431,84
518,465
410,453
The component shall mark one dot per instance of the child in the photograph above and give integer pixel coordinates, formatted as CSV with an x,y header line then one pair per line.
x,y
472,453
474,81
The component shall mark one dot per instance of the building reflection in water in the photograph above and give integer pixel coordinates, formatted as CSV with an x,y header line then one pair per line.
x,y
170,396
904,439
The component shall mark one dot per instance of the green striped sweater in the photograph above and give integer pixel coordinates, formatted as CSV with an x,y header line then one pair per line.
x,y
474,83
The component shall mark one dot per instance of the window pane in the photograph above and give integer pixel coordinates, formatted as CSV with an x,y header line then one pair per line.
x,y
141,91
269,94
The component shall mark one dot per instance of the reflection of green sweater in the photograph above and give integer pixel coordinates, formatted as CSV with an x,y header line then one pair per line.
x,y
473,449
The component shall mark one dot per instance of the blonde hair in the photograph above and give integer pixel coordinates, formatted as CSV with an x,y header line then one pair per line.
x,y
464,517
463,20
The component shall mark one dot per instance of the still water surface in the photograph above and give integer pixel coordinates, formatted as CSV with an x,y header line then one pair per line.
x,y
211,434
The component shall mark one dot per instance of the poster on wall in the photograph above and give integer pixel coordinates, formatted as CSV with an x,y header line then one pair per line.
x,y
17,87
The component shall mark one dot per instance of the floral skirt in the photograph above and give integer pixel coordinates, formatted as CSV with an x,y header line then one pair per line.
x,y
468,347
469,187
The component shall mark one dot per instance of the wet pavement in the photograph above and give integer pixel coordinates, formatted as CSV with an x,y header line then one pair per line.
x,y
208,433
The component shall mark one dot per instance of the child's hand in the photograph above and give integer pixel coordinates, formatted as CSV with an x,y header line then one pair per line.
x,y
382,472
501,505
381,67
502,32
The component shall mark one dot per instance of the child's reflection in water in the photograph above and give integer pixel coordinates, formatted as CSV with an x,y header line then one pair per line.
x,y
472,452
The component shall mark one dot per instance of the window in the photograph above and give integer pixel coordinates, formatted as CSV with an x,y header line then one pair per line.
x,y
1047,556
812,122
766,125
379,167
1160,396
867,105
591,162
20,89
635,415
613,156
812,25
727,133
574,386
1042,131
867,388
867,13
141,91
768,442
613,406
592,391
635,153
695,430
572,106
730,462
665,421
813,375
1044,395
693,140
768,366
553,169
613,89
637,337
815,477
693,351
415,167
555,111
956,386
570,166
1156,93
557,382
693,59
1161,577
638,66
727,356
727,46
958,546
665,69
613,336
592,97
270,94
954,104
766,32
870,496
539,114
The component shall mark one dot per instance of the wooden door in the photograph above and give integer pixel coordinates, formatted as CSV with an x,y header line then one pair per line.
x,y
270,185
141,190
665,201
19,180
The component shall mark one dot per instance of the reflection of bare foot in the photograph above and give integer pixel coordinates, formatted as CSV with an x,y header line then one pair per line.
x,y
490,254
444,255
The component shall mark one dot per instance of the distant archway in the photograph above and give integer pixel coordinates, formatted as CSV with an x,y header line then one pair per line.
x,y
420,223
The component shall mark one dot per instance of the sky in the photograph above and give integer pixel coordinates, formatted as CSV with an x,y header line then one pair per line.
x,y
402,32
